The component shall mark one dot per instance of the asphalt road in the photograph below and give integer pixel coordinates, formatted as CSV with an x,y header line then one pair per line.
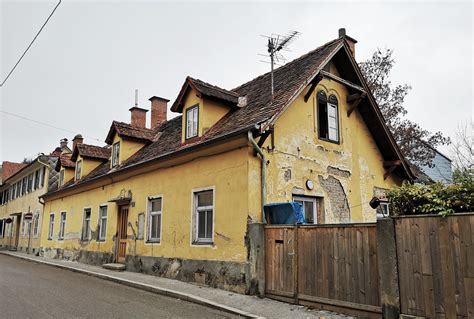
x,y
32,290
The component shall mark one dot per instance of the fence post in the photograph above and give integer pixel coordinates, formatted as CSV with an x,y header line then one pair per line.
x,y
388,268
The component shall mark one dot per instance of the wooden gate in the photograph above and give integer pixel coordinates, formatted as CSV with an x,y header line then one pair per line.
x,y
122,224
331,267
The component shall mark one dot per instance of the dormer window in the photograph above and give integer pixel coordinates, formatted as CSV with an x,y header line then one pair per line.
x,y
78,169
115,154
328,119
192,116
61,177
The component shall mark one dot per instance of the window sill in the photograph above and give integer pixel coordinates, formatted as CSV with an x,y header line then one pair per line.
x,y
100,240
60,238
329,141
153,241
203,243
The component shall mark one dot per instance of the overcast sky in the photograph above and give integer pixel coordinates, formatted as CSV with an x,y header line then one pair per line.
x,y
82,71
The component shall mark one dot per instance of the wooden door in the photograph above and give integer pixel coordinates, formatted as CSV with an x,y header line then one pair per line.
x,y
122,234
280,260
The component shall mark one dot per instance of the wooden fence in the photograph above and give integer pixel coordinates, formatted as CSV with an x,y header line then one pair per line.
x,y
332,267
416,265
436,265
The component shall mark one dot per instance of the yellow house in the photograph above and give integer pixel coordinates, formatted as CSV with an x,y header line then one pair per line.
x,y
21,212
184,198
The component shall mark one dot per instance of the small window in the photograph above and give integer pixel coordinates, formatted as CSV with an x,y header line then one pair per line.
x,y
86,226
204,216
37,178
61,177
62,225
154,219
36,224
42,174
51,226
78,169
383,210
23,224
328,119
115,154
30,183
192,116
310,208
102,222
23,186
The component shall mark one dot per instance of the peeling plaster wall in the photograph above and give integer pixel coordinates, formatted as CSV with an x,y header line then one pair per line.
x,y
226,172
344,174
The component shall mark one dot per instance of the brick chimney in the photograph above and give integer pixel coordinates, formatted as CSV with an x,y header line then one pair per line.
x,y
351,41
138,117
63,144
159,108
77,140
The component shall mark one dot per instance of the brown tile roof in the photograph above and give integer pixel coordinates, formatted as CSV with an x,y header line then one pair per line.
x,y
10,169
289,80
65,161
205,89
91,151
127,130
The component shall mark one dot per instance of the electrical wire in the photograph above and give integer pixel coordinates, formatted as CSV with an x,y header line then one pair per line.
x,y
46,124
31,43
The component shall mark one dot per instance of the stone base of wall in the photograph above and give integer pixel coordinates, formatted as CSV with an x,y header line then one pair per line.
x,y
84,256
241,277
231,276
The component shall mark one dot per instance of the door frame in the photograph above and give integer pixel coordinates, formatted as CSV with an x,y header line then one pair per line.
x,y
119,239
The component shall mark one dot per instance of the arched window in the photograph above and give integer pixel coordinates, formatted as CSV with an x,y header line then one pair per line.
x,y
328,121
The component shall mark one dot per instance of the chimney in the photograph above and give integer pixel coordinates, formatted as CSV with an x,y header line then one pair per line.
x,y
159,107
76,141
138,117
63,144
350,41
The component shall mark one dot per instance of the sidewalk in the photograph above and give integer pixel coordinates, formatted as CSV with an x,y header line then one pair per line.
x,y
243,305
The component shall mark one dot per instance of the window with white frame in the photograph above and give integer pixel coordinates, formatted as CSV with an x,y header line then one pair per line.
x,y
37,178
61,177
30,183
2,227
310,208
383,210
328,119
62,225
51,226
23,224
192,117
24,185
154,219
102,222
36,224
86,226
115,154
203,216
78,169
42,176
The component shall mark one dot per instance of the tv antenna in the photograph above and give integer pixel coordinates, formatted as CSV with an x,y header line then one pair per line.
x,y
277,43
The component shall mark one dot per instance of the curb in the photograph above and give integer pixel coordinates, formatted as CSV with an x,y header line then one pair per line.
x,y
153,289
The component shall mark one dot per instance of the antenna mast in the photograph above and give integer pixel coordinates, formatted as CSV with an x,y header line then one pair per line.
x,y
276,43
136,97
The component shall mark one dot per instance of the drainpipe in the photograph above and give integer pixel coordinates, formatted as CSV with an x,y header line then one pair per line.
x,y
263,172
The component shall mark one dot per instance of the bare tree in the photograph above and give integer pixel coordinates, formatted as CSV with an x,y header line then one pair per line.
x,y
462,152
410,137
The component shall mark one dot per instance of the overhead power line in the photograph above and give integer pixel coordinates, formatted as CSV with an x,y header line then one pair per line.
x,y
31,43
46,124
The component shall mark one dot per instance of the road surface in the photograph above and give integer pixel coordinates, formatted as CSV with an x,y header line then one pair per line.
x,y
32,290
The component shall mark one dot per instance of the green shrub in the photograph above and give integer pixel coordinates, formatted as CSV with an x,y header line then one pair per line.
x,y
432,199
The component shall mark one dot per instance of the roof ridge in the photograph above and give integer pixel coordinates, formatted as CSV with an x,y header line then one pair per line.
x,y
213,86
